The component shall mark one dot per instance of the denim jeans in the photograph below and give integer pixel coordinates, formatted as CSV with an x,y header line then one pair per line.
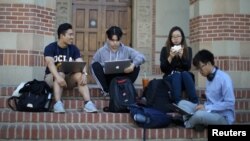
x,y
200,116
182,81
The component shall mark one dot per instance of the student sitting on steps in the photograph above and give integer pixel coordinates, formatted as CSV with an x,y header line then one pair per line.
x,y
64,50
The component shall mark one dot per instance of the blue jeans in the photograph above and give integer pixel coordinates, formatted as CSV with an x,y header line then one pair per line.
x,y
200,116
182,81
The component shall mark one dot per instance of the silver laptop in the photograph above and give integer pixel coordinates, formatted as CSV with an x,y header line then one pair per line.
x,y
71,67
112,67
179,110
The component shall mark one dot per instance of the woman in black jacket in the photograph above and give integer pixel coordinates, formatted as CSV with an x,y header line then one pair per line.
x,y
175,62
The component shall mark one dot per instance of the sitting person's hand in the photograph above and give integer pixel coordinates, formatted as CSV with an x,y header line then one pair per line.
x,y
130,68
60,80
180,52
200,107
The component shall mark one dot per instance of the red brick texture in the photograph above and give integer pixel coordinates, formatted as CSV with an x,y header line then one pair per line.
x,y
21,58
27,18
231,27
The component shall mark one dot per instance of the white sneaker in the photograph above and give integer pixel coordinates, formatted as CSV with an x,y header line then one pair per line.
x,y
90,107
59,107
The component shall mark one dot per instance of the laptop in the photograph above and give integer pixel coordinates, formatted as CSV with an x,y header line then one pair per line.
x,y
178,109
112,67
71,67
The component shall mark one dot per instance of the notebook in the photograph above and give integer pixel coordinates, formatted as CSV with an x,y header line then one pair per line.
x,y
111,67
71,67
178,109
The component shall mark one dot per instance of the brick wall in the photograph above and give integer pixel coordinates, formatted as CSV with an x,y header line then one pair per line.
x,y
233,63
233,27
223,27
27,18
21,58
28,28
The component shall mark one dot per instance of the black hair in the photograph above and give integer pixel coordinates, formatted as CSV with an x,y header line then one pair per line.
x,y
169,42
203,56
63,28
114,30
173,29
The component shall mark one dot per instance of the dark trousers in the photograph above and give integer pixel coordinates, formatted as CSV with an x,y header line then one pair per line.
x,y
105,79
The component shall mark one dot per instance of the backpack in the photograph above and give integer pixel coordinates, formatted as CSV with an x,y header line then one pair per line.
x,y
148,117
35,96
122,93
158,95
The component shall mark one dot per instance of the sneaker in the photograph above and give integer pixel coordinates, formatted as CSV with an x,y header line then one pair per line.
x,y
90,107
59,107
104,93
177,119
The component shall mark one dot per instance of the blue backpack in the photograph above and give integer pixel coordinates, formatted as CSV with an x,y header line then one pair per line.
x,y
148,117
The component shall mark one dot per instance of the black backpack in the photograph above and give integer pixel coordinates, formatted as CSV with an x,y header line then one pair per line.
x,y
122,94
36,96
158,95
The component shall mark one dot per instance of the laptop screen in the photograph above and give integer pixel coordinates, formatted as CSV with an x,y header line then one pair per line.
x,y
71,67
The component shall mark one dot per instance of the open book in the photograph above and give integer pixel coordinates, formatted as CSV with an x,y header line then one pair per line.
x,y
180,110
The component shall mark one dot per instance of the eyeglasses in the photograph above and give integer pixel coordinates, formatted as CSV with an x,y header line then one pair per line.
x,y
174,37
201,67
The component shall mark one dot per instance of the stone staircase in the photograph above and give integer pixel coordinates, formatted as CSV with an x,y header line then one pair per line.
x,y
78,125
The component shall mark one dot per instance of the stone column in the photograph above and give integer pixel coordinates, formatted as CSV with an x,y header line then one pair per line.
x,y
26,27
63,11
142,31
224,29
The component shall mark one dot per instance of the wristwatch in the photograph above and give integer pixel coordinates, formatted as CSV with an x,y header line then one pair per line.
x,y
85,73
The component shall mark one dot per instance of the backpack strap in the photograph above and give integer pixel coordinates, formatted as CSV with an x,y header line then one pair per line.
x,y
14,99
170,88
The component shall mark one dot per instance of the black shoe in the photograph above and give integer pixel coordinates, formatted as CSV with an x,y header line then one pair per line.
x,y
178,120
106,109
199,128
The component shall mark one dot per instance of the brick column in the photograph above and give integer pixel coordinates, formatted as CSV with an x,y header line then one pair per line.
x,y
224,29
25,29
